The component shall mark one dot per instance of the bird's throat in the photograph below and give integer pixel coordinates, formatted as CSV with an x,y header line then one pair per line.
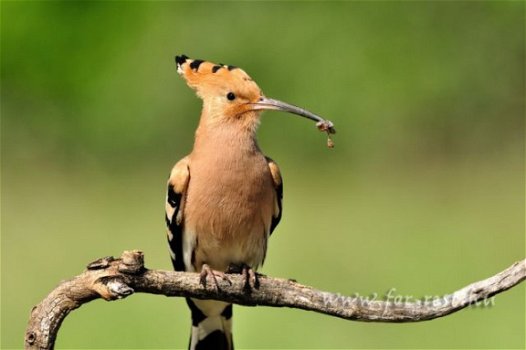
x,y
230,134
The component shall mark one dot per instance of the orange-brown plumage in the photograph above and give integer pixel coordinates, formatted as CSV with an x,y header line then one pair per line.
x,y
231,198
224,198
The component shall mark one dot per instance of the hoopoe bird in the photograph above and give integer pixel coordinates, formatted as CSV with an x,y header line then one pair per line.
x,y
224,199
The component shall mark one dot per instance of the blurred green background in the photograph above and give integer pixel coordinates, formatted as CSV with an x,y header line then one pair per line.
x,y
424,191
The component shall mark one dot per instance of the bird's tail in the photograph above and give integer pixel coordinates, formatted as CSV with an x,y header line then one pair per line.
x,y
211,325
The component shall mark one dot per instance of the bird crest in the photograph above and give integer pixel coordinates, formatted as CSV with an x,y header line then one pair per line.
x,y
209,78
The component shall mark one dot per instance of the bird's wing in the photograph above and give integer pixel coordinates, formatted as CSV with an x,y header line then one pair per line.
x,y
175,198
278,187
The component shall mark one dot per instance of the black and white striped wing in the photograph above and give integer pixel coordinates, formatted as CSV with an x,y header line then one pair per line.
x,y
278,186
177,185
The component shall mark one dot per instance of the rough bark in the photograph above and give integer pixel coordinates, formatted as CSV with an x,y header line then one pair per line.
x,y
111,278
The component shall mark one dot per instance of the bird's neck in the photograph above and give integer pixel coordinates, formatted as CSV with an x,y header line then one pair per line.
x,y
216,132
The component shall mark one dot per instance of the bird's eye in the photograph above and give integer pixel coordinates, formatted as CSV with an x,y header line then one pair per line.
x,y
230,96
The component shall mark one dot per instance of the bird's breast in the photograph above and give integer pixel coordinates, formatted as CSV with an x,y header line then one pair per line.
x,y
229,207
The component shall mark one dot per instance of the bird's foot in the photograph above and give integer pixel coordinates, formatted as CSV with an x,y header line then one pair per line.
x,y
206,271
251,276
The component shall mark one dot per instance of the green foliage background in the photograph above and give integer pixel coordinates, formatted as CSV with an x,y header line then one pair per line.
x,y
424,191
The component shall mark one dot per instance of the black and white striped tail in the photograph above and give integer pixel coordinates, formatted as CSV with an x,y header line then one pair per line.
x,y
211,325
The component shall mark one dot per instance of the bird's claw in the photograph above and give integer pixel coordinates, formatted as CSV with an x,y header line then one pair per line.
x,y
251,276
206,271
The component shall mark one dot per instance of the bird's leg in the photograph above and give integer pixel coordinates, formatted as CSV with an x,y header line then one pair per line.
x,y
207,271
251,277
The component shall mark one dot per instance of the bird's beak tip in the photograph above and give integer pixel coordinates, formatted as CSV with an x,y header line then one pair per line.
x,y
272,104
326,126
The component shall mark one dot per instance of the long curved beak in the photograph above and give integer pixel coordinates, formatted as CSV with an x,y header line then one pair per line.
x,y
271,104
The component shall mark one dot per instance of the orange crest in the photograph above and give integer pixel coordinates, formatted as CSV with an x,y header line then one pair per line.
x,y
210,80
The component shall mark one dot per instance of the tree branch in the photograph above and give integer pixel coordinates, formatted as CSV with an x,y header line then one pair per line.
x,y
111,278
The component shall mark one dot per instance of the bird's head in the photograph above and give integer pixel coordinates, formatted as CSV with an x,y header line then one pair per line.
x,y
228,93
